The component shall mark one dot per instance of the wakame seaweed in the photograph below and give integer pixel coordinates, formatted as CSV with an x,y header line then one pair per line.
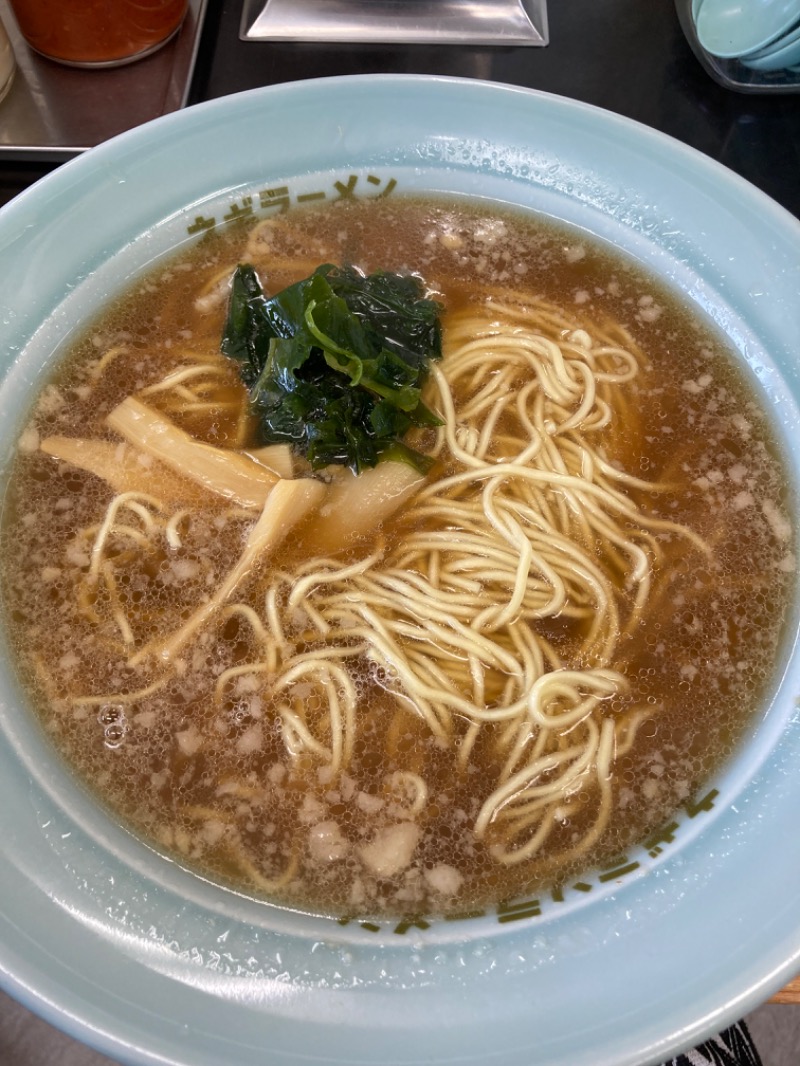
x,y
335,363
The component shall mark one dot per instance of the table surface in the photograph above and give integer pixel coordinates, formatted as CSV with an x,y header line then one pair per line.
x,y
626,56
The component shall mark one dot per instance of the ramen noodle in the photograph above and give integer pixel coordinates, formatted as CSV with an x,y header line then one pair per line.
x,y
402,693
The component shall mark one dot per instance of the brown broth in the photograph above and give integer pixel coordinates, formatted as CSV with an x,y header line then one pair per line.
x,y
190,773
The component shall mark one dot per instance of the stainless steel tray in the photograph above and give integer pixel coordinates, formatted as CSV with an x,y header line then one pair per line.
x,y
54,112
498,22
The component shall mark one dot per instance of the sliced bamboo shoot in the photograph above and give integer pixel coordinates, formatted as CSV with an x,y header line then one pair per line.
x,y
227,473
276,457
287,505
357,504
124,468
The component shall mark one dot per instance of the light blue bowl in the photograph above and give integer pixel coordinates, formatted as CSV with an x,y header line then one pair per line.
x,y
730,29
154,966
777,56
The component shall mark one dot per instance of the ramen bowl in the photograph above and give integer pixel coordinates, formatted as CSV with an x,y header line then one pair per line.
x,y
150,963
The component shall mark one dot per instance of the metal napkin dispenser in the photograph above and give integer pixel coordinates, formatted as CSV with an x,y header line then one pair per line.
x,y
465,22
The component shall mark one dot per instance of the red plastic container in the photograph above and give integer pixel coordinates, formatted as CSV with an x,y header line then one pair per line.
x,y
89,33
